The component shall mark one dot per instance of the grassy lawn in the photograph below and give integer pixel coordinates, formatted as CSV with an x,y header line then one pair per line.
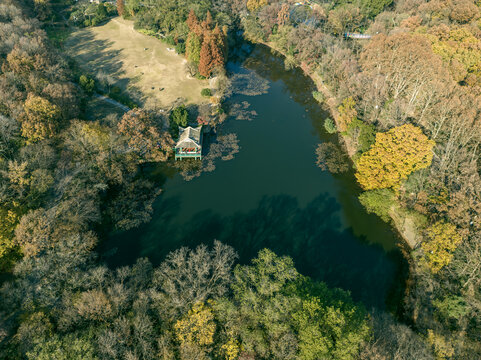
x,y
116,49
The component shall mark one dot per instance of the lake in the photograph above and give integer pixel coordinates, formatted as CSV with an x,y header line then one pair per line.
x,y
272,195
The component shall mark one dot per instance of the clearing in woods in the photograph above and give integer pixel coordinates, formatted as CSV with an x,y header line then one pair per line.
x,y
138,63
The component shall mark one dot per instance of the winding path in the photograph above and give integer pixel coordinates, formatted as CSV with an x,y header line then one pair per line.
x,y
113,102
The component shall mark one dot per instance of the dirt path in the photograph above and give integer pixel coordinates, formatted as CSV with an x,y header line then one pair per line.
x,y
113,102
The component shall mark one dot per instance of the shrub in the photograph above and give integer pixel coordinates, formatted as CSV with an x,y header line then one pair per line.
x,y
169,40
318,96
378,202
365,134
87,84
180,48
330,126
206,92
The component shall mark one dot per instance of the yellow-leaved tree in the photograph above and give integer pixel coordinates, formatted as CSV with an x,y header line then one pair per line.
x,y
197,327
442,240
395,155
347,113
253,5
42,118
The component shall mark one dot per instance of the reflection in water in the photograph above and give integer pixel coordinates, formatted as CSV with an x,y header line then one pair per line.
x,y
312,235
271,194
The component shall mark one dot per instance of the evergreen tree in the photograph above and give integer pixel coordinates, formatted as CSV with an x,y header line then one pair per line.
x,y
193,47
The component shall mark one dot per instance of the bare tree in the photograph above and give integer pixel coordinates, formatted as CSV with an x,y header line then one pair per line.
x,y
190,276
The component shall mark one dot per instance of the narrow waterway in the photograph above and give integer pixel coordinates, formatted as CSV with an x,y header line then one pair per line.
x,y
272,195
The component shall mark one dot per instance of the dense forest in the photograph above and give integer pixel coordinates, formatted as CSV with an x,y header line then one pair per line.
x,y
406,106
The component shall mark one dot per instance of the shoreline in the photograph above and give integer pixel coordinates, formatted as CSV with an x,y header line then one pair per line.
x,y
402,224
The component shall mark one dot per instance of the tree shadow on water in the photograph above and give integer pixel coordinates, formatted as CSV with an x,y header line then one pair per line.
x,y
312,236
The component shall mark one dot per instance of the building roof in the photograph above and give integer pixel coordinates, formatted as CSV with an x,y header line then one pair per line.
x,y
189,137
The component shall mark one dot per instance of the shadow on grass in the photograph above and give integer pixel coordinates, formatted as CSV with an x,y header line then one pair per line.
x,y
95,56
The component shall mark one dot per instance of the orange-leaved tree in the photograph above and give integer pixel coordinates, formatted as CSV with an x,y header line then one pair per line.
x,y
395,155
144,137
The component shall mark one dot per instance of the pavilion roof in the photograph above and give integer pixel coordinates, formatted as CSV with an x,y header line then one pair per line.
x,y
189,137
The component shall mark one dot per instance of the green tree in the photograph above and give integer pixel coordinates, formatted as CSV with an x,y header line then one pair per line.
x,y
452,307
87,84
280,314
379,202
68,347
193,47
374,7
330,126
178,117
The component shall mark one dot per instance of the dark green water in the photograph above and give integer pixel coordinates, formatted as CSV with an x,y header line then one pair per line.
x,y
273,195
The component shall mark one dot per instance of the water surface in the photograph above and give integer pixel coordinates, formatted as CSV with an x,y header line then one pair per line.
x,y
272,195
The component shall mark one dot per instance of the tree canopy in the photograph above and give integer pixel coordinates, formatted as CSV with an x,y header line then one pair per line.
x,y
395,155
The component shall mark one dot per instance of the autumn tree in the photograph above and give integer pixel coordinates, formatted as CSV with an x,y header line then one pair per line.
x,y
219,47
442,240
344,16
253,5
347,113
463,11
208,22
283,15
395,155
193,21
144,136
206,57
120,7
42,118
402,75
197,327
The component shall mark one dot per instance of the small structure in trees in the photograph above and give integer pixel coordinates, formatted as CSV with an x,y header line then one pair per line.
x,y
190,143
357,36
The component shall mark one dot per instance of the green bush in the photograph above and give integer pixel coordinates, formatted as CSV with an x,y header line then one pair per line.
x,y
87,84
319,96
178,117
206,92
378,201
180,48
330,126
452,307
366,134
169,40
